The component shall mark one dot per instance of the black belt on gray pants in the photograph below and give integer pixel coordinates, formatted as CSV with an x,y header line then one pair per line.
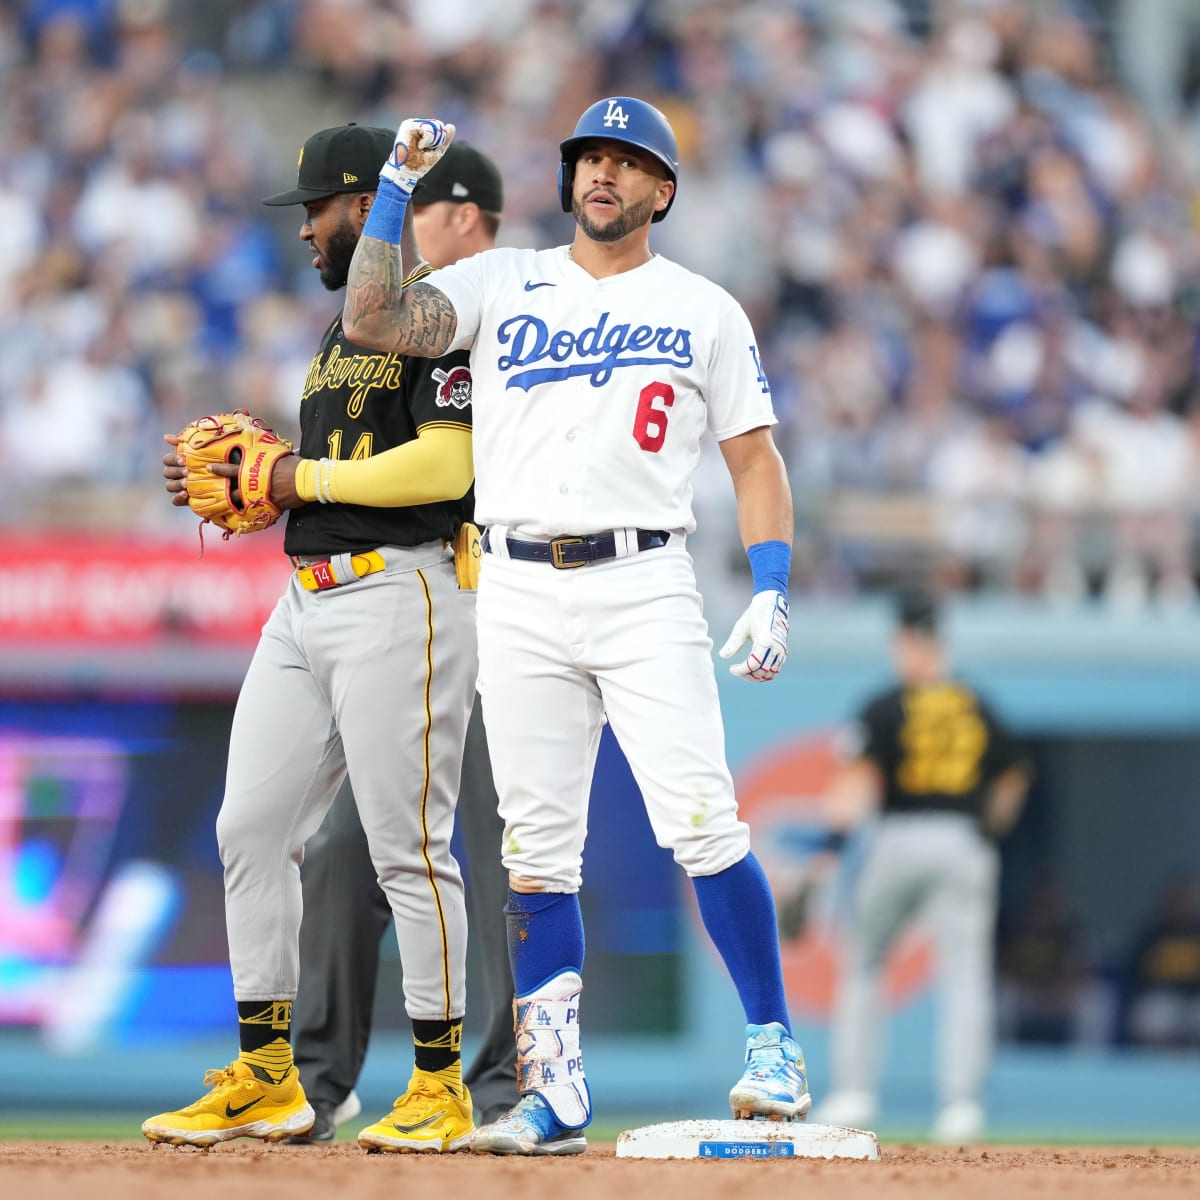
x,y
564,552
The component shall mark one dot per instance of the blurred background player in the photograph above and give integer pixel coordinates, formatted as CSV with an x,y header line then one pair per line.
x,y
455,213
1159,987
944,778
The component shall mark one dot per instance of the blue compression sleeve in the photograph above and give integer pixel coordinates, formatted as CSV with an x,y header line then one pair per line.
x,y
739,913
545,937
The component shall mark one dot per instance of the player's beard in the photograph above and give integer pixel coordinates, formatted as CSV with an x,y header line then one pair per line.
x,y
335,259
631,218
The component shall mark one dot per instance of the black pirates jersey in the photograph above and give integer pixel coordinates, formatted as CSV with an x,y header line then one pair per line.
x,y
358,403
938,746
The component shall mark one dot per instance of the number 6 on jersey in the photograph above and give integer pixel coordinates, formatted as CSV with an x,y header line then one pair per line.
x,y
650,424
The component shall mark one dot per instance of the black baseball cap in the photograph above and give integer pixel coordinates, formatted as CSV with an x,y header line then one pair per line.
x,y
346,158
917,610
462,174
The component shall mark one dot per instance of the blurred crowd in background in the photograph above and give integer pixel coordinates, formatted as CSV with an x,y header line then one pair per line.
x,y
967,234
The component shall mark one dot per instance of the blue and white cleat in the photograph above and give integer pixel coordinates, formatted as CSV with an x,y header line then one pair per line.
x,y
529,1128
774,1085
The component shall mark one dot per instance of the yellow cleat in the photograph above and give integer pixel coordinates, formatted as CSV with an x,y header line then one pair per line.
x,y
239,1104
429,1118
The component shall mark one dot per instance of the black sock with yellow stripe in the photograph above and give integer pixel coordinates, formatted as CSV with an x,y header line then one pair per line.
x,y
264,1033
437,1048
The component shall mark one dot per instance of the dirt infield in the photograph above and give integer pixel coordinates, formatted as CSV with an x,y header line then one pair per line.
x,y
118,1171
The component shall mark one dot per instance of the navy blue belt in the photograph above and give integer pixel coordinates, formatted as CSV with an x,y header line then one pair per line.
x,y
565,552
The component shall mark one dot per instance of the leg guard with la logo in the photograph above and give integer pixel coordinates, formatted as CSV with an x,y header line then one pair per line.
x,y
549,1061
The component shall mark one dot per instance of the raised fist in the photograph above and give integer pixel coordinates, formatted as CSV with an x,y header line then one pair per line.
x,y
420,142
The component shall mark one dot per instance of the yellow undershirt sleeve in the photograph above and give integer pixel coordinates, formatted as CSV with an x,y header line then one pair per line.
x,y
435,465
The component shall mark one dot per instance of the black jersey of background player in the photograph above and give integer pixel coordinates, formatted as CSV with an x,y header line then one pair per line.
x,y
357,403
938,747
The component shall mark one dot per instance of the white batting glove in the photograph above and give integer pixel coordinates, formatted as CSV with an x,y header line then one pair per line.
x,y
765,624
420,142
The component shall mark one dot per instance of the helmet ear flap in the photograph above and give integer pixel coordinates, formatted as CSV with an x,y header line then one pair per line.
x,y
566,181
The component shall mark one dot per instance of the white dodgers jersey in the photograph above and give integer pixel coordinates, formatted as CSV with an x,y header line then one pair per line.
x,y
591,395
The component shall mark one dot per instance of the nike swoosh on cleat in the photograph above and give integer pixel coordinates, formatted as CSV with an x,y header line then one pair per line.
x,y
530,286
418,1125
230,1111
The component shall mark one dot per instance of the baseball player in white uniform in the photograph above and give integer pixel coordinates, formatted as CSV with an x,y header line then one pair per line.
x,y
599,367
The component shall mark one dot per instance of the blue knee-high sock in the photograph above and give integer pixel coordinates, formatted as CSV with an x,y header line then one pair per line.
x,y
545,937
739,913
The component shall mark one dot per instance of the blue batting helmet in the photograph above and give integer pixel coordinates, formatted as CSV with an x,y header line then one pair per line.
x,y
620,119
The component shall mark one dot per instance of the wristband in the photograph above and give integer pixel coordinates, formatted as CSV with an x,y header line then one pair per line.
x,y
324,485
313,483
386,218
770,565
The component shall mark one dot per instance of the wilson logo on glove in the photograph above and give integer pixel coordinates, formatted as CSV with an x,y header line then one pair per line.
x,y
239,505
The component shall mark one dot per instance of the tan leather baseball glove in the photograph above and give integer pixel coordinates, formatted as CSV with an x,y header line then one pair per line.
x,y
241,505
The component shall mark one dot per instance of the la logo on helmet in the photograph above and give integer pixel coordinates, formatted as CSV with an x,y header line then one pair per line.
x,y
615,115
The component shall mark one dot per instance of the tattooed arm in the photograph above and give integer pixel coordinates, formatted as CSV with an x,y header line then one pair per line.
x,y
383,315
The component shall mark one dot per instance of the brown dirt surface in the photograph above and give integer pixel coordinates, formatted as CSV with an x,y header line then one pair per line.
x,y
128,1170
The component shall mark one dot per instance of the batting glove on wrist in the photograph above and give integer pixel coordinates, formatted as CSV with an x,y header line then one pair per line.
x,y
765,624
420,142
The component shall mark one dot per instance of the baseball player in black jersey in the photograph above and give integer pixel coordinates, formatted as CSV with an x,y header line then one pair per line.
x,y
456,213
944,778
365,668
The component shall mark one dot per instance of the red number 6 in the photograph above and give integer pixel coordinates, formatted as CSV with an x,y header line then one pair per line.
x,y
650,424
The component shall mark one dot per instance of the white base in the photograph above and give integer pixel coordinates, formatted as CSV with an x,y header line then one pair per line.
x,y
746,1139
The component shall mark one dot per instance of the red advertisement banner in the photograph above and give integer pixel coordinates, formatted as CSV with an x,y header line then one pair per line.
x,y
82,589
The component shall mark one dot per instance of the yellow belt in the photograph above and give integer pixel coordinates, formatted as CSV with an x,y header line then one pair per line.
x,y
317,576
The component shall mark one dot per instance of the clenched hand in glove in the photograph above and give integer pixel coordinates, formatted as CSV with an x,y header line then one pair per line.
x,y
765,625
221,468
